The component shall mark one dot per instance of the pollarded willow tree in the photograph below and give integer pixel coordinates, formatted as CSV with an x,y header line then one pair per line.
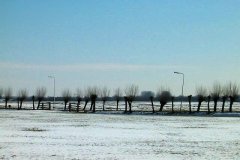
x,y
131,92
215,94
22,95
40,95
79,97
201,93
66,94
117,95
93,91
164,96
104,93
234,91
7,95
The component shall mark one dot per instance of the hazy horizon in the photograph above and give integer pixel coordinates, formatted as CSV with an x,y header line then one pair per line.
x,y
117,43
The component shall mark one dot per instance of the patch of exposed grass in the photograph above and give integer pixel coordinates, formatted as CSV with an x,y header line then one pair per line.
x,y
34,129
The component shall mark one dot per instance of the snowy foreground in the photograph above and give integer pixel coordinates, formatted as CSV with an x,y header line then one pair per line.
x,y
42,134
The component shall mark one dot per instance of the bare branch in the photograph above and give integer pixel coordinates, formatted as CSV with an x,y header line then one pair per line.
x,y
22,94
7,94
117,93
104,93
216,91
131,91
41,93
66,94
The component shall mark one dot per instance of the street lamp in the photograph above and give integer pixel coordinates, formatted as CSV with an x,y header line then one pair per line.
x,y
52,77
182,87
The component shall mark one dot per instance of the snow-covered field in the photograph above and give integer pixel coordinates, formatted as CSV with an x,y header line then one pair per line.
x,y
43,134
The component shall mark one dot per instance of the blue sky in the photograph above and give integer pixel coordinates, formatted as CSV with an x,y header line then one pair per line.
x,y
116,43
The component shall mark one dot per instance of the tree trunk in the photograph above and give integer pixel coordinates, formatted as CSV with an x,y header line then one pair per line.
x,y
94,106
65,106
38,104
130,107
20,104
69,107
190,103
78,105
215,105
85,105
125,99
151,99
223,103
33,104
161,107
209,98
104,105
117,104
6,102
199,105
91,105
231,103
172,105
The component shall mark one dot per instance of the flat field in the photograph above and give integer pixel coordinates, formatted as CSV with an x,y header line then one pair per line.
x,y
42,134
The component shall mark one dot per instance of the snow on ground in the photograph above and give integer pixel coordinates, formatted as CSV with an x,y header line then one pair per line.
x,y
42,134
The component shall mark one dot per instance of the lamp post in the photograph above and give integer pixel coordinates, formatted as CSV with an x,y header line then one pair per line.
x,y
182,87
52,77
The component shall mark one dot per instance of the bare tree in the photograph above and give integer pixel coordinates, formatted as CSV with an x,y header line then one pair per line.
x,y
201,93
225,93
104,93
117,95
79,96
22,95
131,92
66,94
216,93
40,93
234,91
164,96
7,95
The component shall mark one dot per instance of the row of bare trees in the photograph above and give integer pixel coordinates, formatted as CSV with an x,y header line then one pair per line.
x,y
22,95
218,92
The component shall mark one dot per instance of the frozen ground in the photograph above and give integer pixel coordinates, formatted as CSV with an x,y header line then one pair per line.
x,y
28,134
